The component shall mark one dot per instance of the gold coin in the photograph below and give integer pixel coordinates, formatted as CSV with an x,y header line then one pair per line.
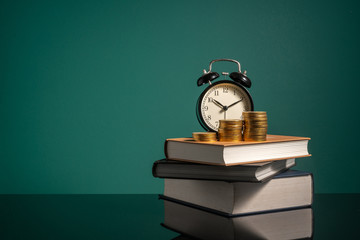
x,y
229,130
256,123
254,113
246,116
262,138
230,139
254,136
255,129
256,126
255,119
230,134
204,136
230,124
230,121
255,140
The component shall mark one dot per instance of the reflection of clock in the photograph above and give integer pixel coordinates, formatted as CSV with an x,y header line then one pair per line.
x,y
224,99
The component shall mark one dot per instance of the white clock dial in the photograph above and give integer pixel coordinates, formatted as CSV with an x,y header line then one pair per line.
x,y
224,101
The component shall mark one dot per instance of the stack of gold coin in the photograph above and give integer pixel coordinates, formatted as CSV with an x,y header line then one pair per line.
x,y
230,130
204,136
255,126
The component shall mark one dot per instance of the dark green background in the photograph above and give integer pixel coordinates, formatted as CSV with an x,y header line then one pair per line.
x,y
91,89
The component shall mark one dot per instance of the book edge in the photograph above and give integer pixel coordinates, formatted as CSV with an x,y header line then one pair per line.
x,y
229,215
252,179
239,163
281,138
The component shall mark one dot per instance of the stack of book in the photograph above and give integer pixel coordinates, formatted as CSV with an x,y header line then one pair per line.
x,y
215,188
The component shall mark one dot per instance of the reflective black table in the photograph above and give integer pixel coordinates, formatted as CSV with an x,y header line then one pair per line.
x,y
335,216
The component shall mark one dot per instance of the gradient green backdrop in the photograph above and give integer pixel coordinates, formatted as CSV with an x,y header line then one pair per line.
x,y
90,90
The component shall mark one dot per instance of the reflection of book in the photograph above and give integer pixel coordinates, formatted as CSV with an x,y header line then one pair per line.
x,y
182,237
276,147
293,224
291,189
253,172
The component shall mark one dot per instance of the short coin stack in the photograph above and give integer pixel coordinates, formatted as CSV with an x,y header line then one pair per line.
x,y
204,136
230,130
256,125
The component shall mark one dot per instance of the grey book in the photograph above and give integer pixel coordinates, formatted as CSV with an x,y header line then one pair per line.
x,y
253,172
289,190
193,223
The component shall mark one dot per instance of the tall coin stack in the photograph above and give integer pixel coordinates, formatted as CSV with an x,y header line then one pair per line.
x,y
255,127
230,130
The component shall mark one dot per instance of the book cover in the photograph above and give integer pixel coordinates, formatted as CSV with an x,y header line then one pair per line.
x,y
276,147
289,190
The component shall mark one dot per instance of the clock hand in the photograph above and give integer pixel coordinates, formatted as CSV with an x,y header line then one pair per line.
x,y
235,103
218,103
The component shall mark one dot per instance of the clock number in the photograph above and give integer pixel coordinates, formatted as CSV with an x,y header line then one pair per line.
x,y
210,99
234,92
205,108
225,90
209,117
216,92
217,124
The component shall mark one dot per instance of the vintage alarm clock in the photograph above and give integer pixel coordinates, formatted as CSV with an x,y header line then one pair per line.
x,y
223,99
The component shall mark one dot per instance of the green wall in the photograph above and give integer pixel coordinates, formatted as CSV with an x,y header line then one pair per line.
x,y
90,90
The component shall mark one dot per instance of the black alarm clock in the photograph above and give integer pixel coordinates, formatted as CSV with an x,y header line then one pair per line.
x,y
225,99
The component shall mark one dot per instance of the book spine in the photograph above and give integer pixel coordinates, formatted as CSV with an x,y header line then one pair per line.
x,y
312,193
165,149
154,168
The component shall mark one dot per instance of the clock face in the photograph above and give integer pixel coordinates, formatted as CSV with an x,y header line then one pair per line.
x,y
224,100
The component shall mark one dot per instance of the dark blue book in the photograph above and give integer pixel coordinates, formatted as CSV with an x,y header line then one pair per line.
x,y
289,190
